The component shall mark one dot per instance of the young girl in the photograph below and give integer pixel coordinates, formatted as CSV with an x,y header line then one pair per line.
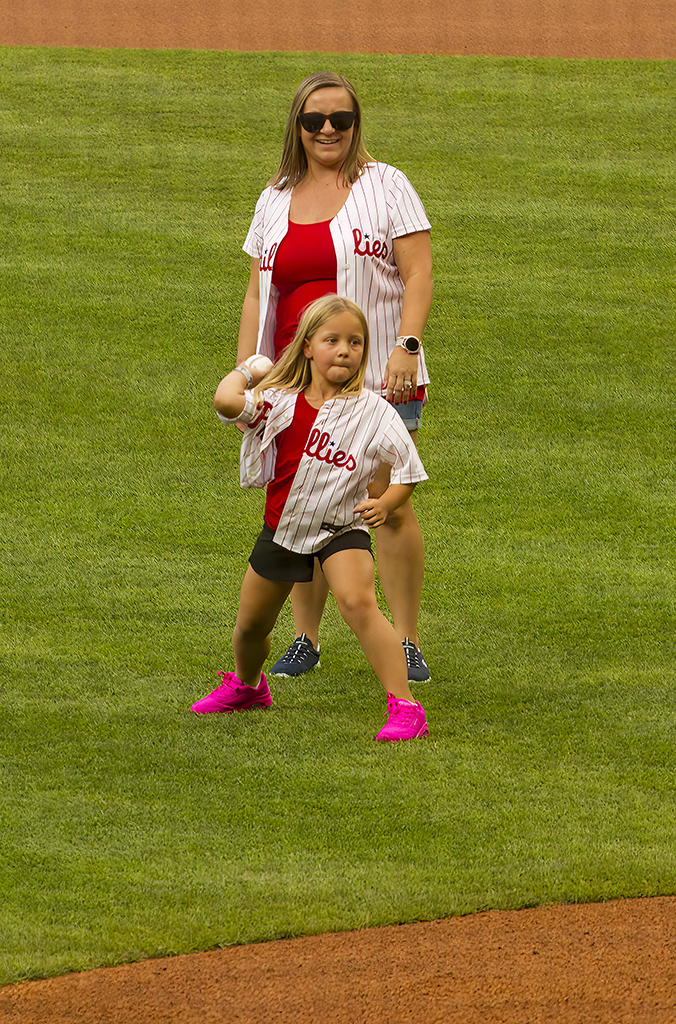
x,y
316,437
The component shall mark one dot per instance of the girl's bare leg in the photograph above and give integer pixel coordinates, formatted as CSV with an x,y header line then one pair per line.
x,y
260,603
351,577
307,603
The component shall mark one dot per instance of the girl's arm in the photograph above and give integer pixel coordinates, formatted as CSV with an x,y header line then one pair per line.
x,y
229,399
413,256
374,511
248,324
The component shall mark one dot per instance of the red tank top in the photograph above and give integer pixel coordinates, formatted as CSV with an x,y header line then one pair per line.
x,y
304,270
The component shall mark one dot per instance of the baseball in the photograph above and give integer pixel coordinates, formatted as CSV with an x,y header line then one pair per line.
x,y
259,365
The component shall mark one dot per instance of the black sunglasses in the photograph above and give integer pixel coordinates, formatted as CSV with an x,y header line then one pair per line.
x,y
340,121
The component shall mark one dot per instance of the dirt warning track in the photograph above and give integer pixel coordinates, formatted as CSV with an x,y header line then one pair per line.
x,y
517,28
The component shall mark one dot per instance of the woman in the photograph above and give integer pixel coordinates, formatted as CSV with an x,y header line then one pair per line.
x,y
334,220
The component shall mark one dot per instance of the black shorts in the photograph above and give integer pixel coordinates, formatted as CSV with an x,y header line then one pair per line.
x,y
273,562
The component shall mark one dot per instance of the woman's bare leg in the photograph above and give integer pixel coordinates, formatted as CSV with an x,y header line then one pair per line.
x,y
307,603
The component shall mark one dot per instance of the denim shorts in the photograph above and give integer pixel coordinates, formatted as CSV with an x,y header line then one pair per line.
x,y
411,413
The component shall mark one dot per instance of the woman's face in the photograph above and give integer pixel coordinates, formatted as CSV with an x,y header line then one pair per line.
x,y
329,146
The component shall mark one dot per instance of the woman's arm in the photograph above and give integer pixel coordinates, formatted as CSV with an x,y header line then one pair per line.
x,y
413,256
248,324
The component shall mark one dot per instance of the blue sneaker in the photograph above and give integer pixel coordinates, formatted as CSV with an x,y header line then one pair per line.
x,y
418,671
300,657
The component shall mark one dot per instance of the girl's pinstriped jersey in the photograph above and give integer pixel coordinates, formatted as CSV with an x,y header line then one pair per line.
x,y
349,439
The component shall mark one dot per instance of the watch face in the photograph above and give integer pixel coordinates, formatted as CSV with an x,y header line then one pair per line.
x,y
411,345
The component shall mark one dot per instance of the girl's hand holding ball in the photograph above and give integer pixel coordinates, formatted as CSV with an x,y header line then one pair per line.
x,y
258,366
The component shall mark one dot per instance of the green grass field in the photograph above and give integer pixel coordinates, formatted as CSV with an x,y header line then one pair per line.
x,y
131,828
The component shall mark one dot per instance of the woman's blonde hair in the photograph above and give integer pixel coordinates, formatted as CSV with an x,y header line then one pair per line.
x,y
292,371
293,164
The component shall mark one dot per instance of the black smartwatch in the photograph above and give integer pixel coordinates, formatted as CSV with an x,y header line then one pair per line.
x,y
411,344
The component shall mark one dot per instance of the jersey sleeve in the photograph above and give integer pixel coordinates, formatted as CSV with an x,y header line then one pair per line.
x,y
398,450
251,415
405,209
253,244
258,452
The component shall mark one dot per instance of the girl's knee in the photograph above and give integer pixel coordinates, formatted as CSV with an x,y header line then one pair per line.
x,y
249,627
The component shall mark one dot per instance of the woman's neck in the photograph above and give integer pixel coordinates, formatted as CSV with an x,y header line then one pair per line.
x,y
319,196
323,176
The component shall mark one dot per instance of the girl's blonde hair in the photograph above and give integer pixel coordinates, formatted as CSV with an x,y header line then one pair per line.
x,y
292,371
293,164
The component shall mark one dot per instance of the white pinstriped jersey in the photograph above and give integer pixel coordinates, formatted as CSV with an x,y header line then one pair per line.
x,y
349,439
382,205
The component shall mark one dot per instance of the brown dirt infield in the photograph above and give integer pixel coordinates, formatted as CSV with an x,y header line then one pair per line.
x,y
612,963
516,28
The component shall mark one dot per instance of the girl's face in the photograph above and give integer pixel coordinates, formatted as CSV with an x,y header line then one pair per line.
x,y
336,349
328,146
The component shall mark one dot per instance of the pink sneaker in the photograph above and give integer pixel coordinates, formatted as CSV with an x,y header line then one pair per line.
x,y
405,720
232,695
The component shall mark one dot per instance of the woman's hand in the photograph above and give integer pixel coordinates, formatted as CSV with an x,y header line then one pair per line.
x,y
401,376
